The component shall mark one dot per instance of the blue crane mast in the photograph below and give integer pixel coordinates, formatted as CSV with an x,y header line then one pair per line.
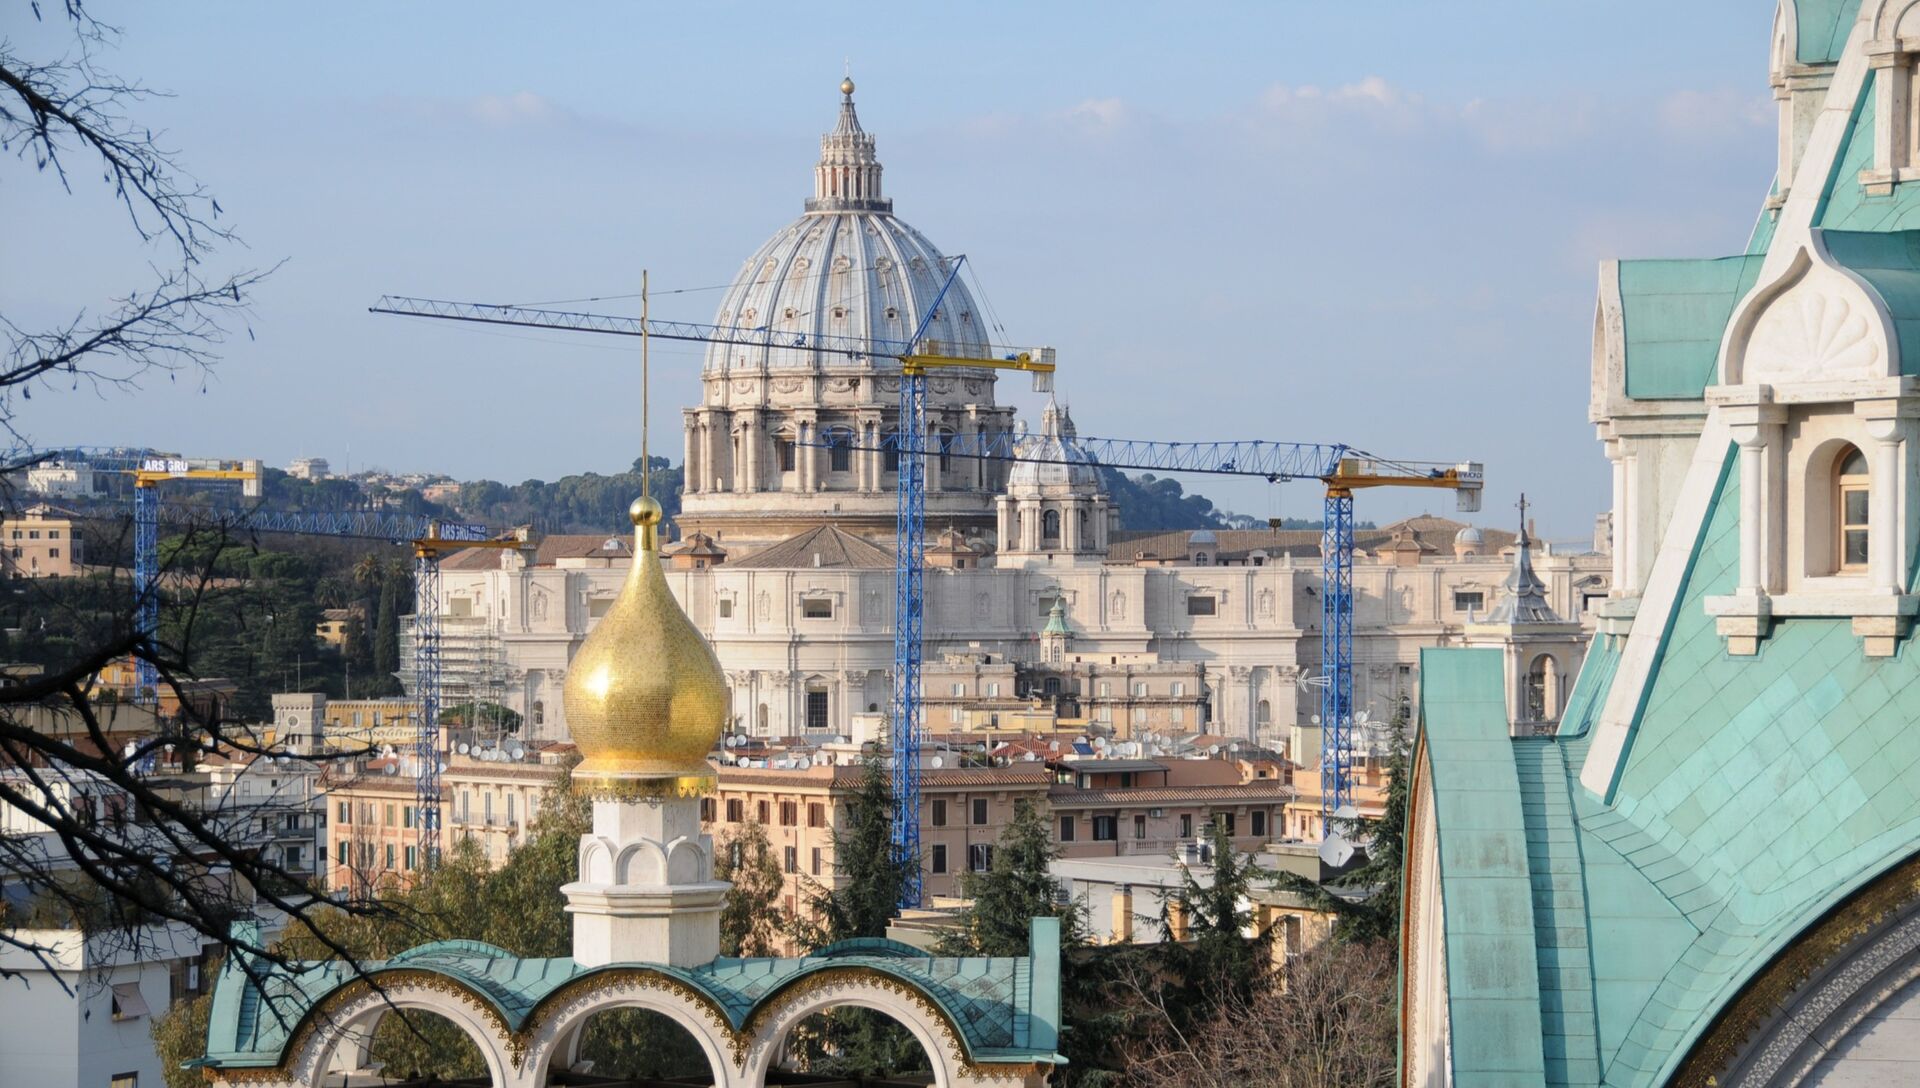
x,y
430,539
1339,468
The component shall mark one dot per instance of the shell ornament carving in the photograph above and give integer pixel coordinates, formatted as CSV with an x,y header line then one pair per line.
x,y
1810,333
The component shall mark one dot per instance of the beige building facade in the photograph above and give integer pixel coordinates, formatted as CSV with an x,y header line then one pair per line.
x,y
39,542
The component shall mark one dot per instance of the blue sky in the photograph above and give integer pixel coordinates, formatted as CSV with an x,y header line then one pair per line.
x,y
1375,224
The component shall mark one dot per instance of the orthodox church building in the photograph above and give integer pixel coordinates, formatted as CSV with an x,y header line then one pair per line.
x,y
785,560
647,701
1710,874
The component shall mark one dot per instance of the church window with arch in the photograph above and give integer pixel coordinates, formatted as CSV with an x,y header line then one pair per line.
x,y
1851,508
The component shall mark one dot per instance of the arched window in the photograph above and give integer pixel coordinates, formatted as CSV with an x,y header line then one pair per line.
x,y
1263,712
1542,694
890,460
840,451
1200,559
1050,526
1850,501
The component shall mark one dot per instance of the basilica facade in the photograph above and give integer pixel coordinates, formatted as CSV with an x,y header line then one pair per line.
x,y
785,556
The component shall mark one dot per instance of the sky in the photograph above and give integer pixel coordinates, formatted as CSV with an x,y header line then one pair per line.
x,y
1372,224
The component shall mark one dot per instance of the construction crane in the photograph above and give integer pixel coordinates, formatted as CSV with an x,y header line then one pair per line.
x,y
916,357
430,538
1340,469
147,478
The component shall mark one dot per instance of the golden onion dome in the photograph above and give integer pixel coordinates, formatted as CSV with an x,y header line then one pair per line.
x,y
645,697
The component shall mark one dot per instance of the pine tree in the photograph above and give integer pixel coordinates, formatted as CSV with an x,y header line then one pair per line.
x,y
386,633
1370,908
751,920
873,877
1018,888
1217,961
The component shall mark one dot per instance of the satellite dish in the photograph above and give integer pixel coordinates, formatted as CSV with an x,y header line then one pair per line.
x,y
1234,747
443,766
1213,749
519,752
1335,850
463,747
804,763
393,768
731,741
1346,812
742,761
1316,719
1029,757
937,762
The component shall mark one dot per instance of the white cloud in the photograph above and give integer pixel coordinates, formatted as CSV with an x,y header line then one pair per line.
x,y
1104,114
519,108
1713,113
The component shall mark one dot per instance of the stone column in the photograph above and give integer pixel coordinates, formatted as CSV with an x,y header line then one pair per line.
x,y
693,475
1753,508
1070,527
1885,511
750,450
1616,457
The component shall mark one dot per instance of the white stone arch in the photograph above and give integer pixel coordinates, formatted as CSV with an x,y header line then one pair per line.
x,y
1815,322
642,862
830,988
1892,19
1813,466
596,860
344,1024
553,1039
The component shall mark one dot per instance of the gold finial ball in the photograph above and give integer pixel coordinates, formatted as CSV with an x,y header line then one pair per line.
x,y
846,86
644,511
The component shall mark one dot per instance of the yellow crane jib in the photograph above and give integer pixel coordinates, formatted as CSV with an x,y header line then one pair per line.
x,y
1466,479
1037,361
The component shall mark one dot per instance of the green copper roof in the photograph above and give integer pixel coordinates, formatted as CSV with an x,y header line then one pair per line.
x,y
1823,26
1755,793
1845,204
1493,985
1057,620
1673,313
1007,1009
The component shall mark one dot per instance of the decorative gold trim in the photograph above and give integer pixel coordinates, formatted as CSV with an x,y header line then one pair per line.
x,y
613,979
800,989
518,1043
1768,991
1410,897
614,788
349,993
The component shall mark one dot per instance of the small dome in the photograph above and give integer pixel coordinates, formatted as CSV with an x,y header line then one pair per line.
x,y
1202,536
1052,458
645,697
1470,535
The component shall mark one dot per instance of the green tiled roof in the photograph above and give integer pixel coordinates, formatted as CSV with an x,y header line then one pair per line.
x,y
1493,985
1007,1009
1890,263
1823,25
1673,313
1755,793
1845,204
